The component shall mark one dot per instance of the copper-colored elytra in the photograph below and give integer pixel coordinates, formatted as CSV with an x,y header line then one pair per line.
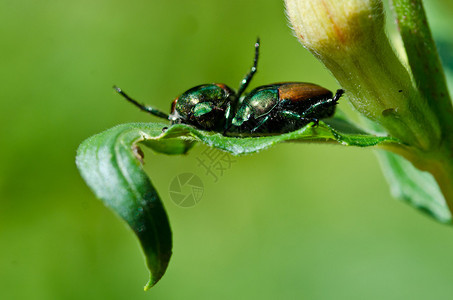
x,y
298,91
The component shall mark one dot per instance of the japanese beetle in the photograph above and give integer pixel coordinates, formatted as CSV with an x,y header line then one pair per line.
x,y
271,109
283,107
205,107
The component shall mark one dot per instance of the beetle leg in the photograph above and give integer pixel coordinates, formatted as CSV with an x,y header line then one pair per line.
x,y
260,123
246,80
143,107
320,106
296,116
228,118
290,114
338,94
324,104
314,120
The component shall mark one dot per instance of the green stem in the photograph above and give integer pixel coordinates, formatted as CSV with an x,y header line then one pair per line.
x,y
428,74
424,61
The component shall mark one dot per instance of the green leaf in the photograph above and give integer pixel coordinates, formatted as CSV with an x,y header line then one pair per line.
x,y
416,187
327,132
111,164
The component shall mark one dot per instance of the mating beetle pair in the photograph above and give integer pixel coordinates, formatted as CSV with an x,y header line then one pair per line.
x,y
270,109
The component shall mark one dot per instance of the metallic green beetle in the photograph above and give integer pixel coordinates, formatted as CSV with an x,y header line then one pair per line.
x,y
271,109
283,107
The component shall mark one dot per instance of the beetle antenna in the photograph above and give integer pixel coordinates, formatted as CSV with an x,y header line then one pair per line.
x,y
148,109
245,82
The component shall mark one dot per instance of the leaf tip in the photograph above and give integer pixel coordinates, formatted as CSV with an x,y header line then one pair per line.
x,y
152,282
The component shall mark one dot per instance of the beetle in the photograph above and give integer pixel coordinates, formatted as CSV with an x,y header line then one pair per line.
x,y
205,106
270,109
283,107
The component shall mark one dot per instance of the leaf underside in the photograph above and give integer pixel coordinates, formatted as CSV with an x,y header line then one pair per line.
x,y
111,164
416,187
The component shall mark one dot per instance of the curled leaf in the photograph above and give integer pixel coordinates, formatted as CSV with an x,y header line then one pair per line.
x,y
111,164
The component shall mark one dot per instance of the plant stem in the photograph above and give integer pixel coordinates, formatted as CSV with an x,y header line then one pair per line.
x,y
424,61
430,79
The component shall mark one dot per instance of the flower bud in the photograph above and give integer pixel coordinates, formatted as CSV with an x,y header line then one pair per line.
x,y
349,38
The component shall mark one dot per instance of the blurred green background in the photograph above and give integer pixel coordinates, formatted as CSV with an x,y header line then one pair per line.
x,y
296,221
